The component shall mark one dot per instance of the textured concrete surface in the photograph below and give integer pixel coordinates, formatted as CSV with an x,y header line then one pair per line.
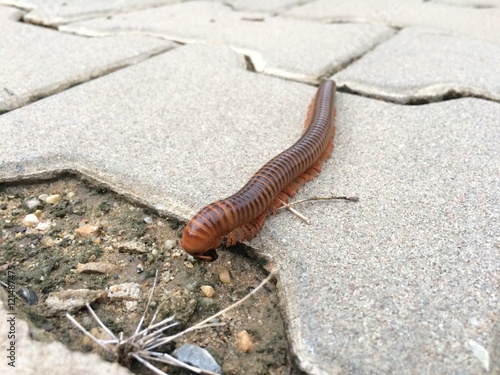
x,y
476,22
56,12
420,65
406,280
71,59
287,48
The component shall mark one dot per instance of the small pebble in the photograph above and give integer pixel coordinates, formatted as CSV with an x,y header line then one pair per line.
x,y
43,197
47,242
87,230
207,291
71,194
224,275
53,199
44,226
188,264
33,203
132,247
197,356
170,244
28,295
139,268
245,343
20,229
30,220
95,267
125,291
148,220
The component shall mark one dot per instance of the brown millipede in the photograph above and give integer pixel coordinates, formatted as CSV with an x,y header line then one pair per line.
x,y
241,216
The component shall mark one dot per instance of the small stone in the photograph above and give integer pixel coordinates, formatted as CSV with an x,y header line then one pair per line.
x,y
224,275
131,305
170,244
139,268
105,207
148,220
43,197
95,267
125,291
71,194
47,242
33,203
188,264
20,229
53,199
28,295
132,247
38,214
198,357
44,226
71,300
207,291
245,343
87,230
30,220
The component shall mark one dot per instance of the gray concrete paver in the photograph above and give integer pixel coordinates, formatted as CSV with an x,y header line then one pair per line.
x,y
481,23
28,71
425,65
299,50
57,12
400,280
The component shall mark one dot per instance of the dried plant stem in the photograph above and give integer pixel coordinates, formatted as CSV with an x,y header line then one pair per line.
x,y
141,344
289,207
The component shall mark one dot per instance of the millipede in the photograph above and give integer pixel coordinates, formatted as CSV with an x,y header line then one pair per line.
x,y
241,216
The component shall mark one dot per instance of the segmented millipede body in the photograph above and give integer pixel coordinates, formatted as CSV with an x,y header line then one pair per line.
x,y
241,216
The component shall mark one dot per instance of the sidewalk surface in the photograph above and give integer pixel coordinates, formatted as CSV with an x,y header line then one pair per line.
x,y
178,103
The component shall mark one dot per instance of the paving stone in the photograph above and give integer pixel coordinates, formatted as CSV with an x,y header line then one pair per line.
x,y
422,65
399,282
57,12
298,50
476,22
72,59
402,280
132,128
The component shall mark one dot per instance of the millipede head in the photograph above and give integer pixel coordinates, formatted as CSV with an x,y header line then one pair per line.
x,y
197,242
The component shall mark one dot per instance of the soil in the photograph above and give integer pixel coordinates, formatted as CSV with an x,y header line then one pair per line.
x,y
46,259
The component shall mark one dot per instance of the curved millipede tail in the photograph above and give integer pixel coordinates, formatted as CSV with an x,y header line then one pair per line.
x,y
241,216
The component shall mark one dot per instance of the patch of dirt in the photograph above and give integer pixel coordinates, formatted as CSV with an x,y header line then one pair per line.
x,y
83,224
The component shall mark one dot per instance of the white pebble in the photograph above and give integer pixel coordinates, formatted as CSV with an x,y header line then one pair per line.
x,y
32,203
71,194
43,197
170,244
44,226
148,220
30,220
53,199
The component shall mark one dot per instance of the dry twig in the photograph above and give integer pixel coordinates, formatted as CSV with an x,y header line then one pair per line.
x,y
289,207
141,344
